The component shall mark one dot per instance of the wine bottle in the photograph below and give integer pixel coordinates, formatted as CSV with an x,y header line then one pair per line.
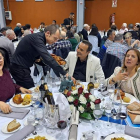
x,y
90,84
41,88
48,95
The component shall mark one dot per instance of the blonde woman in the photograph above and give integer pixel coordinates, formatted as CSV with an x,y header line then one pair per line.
x,y
128,76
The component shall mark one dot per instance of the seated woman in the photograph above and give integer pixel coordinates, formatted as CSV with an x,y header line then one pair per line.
x,y
131,43
7,87
128,76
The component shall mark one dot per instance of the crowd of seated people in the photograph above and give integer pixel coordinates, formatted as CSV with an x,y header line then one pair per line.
x,y
81,63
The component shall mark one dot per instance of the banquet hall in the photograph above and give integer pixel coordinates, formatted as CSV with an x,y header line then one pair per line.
x,y
69,70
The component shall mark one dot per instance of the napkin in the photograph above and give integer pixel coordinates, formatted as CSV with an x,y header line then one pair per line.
x,y
134,132
20,135
64,108
73,132
74,124
17,113
134,116
134,112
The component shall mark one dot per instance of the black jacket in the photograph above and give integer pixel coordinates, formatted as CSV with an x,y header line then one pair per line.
x,y
32,47
85,34
68,21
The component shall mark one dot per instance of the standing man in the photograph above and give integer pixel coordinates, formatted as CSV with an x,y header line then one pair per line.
x,y
68,22
29,49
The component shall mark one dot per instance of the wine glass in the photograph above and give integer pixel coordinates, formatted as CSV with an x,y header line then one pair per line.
x,y
122,113
61,125
97,114
39,116
108,113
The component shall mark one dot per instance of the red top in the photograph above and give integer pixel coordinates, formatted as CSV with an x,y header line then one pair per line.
x,y
7,87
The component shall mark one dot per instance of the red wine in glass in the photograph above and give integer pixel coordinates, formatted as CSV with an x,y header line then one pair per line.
x,y
122,115
62,124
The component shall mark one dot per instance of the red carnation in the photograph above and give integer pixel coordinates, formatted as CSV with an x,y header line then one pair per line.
x,y
80,90
86,95
68,93
88,105
76,102
97,101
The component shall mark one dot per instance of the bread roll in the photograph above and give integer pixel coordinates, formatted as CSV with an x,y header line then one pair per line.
x,y
17,99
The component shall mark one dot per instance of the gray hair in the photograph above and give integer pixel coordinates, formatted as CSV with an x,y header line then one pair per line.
x,y
63,35
18,24
118,37
88,44
9,31
124,25
52,29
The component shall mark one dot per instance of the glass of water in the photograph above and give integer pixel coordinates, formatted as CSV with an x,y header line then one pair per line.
x,y
30,120
110,89
97,114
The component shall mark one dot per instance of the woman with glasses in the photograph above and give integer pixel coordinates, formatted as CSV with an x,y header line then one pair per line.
x,y
128,76
131,43
7,87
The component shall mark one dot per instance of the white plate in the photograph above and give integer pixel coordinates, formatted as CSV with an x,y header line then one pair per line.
x,y
118,136
4,129
132,99
19,105
45,135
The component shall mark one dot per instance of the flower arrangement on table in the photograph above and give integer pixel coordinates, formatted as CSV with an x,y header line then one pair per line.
x,y
84,102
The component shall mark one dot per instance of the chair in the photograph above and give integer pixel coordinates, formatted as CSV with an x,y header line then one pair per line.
x,y
109,63
94,41
102,53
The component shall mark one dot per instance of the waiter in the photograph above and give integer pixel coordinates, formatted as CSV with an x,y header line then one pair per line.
x,y
30,48
68,22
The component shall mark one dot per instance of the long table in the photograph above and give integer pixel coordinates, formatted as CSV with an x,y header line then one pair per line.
x,y
83,126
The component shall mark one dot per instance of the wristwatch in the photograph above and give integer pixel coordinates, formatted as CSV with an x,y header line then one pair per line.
x,y
113,80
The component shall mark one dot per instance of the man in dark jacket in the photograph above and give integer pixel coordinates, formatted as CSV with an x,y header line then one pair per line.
x,y
85,30
68,22
30,48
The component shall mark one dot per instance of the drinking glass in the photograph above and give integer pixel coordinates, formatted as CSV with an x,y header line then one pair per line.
x,y
35,101
97,114
52,118
102,85
122,113
30,120
39,116
108,113
61,125
110,89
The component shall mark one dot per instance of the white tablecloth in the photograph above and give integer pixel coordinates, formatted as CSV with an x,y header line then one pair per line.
x,y
82,127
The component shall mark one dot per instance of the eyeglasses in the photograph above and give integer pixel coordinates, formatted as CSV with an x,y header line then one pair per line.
x,y
1,58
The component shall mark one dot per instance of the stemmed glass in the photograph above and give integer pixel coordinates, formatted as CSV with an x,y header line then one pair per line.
x,y
39,115
62,125
97,114
108,113
122,113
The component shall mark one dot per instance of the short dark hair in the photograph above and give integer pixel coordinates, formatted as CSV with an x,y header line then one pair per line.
x,y
4,56
114,27
88,44
130,26
69,34
28,26
51,28
94,31
3,29
54,21
109,32
71,13
42,23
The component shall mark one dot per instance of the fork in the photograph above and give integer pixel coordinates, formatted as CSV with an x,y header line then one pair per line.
x,y
103,137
